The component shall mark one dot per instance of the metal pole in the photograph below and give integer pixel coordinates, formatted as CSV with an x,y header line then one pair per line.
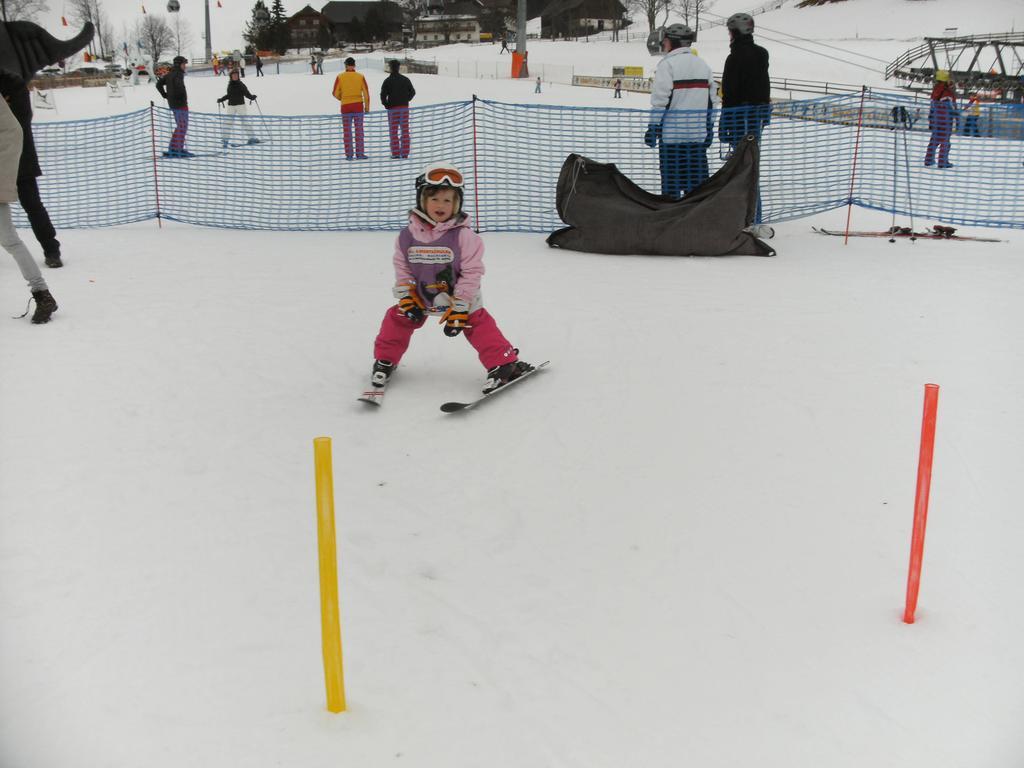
x,y
209,48
520,26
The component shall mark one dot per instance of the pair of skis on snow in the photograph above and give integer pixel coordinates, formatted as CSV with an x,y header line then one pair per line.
x,y
935,232
375,395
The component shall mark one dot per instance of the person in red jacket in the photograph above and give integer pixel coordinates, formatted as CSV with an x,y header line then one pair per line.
x,y
351,90
940,120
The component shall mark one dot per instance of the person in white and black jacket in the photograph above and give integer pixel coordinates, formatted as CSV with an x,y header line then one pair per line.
x,y
235,97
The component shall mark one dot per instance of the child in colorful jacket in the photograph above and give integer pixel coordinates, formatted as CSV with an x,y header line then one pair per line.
x,y
438,262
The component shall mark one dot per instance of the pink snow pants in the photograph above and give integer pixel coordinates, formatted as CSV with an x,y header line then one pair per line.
x,y
398,131
352,121
491,346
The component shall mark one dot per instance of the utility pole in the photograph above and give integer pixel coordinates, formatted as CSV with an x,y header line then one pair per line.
x,y
520,26
209,48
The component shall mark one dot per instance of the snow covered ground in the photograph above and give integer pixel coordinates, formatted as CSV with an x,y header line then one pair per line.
x,y
683,544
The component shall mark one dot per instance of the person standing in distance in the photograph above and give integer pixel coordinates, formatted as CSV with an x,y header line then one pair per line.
x,y
351,90
682,95
941,115
746,88
395,94
172,87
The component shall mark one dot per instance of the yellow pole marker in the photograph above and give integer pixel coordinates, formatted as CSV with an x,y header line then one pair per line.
x,y
330,621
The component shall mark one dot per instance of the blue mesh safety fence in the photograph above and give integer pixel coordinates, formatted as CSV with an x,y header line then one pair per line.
x,y
293,173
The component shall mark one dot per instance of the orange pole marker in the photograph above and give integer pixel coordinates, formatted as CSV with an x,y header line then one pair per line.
x,y
924,482
330,620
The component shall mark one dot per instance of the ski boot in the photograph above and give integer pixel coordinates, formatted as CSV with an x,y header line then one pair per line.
x,y
382,370
500,375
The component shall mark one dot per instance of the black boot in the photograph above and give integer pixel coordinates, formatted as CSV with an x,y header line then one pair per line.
x,y
382,370
45,306
500,375
52,259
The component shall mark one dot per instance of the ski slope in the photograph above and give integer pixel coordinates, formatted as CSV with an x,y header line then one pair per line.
x,y
685,543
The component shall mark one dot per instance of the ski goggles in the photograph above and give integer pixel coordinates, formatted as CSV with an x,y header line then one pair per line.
x,y
442,175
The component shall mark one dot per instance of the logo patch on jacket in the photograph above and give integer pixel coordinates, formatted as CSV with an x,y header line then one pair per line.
x,y
430,254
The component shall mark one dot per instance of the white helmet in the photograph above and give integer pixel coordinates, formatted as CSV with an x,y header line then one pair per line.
x,y
741,23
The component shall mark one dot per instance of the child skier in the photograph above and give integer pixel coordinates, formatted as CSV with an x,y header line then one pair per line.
x,y
438,263
235,97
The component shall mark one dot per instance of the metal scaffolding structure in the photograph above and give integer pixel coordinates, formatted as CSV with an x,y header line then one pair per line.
x,y
991,63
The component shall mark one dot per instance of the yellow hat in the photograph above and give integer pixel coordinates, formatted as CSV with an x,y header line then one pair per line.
x,y
942,75
693,50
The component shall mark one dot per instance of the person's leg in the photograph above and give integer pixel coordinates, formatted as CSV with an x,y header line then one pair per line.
x,y
13,244
396,331
360,151
38,218
346,122
487,339
396,149
180,129
944,142
669,156
933,143
403,124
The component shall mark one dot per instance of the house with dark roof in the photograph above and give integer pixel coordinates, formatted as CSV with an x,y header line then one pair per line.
x,y
574,18
364,20
309,28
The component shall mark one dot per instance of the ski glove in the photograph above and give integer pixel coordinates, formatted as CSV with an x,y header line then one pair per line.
x,y
456,318
409,302
652,135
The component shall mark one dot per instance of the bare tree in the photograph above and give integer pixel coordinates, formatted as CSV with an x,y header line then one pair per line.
x,y
651,10
25,10
692,9
156,36
182,33
81,11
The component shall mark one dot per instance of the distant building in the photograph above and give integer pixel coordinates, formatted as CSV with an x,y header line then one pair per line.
x,y
309,28
364,20
447,28
574,18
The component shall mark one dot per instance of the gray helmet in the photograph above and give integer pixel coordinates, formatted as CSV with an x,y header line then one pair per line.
x,y
680,32
741,23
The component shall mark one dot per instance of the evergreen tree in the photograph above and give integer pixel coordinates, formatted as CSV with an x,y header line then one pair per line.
x,y
281,35
259,32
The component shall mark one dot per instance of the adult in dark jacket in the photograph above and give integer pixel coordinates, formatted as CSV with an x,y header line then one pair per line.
x,y
25,48
395,95
746,88
172,87
235,97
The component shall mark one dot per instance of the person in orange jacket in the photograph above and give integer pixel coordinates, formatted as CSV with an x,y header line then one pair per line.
x,y
351,90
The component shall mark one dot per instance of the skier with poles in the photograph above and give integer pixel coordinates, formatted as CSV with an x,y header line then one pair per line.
x,y
235,97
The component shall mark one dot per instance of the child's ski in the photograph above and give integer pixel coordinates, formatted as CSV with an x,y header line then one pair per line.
x,y
373,396
454,407
935,233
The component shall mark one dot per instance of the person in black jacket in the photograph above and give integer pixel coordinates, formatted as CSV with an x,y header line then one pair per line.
x,y
746,89
235,97
172,87
395,95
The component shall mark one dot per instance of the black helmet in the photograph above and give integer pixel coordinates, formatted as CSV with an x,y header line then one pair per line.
x,y
179,60
741,23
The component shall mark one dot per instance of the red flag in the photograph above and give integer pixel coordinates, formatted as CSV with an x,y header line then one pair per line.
x,y
63,21
219,5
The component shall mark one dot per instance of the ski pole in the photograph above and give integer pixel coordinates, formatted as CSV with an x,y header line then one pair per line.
x,y
910,198
895,176
263,119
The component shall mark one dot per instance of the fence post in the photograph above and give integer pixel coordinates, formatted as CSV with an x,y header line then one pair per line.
x,y
853,172
156,174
